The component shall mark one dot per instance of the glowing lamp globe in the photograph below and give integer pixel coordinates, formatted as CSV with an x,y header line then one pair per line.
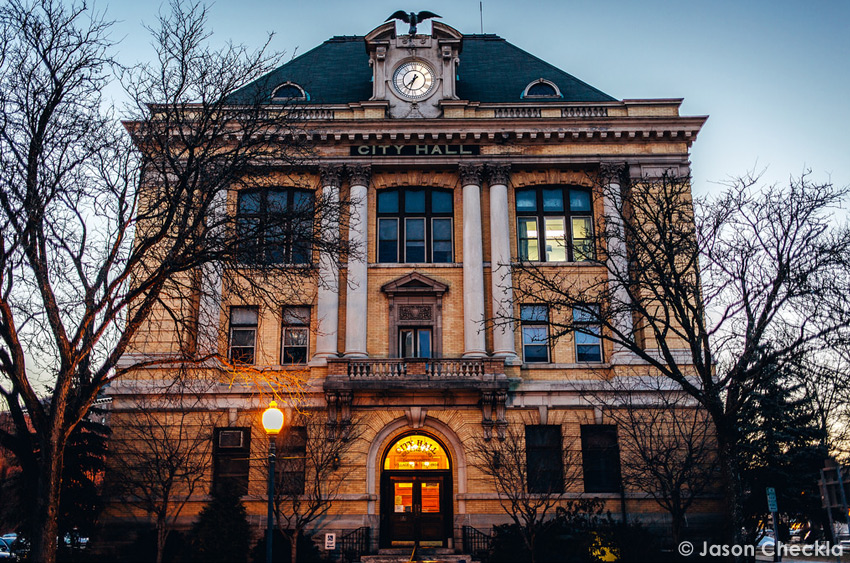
x,y
272,419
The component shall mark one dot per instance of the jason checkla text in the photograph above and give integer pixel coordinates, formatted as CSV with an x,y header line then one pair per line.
x,y
817,549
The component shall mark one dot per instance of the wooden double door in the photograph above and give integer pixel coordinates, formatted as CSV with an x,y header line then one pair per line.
x,y
416,508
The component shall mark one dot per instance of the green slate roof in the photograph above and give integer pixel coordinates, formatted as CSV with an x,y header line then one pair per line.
x,y
491,70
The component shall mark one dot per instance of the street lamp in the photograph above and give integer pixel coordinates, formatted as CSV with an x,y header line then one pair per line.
x,y
272,423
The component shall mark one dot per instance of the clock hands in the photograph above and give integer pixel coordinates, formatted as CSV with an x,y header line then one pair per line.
x,y
413,80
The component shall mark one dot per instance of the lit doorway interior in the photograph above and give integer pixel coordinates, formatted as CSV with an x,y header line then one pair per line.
x,y
416,493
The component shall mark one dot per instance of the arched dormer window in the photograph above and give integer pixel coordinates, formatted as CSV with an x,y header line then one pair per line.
x,y
290,91
541,88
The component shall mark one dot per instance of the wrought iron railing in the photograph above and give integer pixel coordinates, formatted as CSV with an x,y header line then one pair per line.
x,y
354,544
477,544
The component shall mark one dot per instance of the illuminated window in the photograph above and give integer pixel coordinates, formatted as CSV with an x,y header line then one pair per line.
x,y
554,224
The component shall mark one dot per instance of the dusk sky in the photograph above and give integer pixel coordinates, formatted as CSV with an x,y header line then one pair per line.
x,y
774,77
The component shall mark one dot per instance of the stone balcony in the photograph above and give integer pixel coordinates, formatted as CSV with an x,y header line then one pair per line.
x,y
415,373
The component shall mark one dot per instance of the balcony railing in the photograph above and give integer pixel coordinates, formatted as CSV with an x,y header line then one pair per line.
x,y
406,371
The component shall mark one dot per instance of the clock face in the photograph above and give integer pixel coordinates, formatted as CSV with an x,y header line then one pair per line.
x,y
413,80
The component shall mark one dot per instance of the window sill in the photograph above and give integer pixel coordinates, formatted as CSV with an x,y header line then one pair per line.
x,y
581,365
414,265
539,264
273,367
300,266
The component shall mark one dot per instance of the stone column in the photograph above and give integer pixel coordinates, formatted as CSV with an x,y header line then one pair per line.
x,y
327,307
617,268
356,308
473,263
209,304
500,264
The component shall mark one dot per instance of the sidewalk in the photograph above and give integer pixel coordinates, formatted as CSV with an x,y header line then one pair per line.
x,y
812,559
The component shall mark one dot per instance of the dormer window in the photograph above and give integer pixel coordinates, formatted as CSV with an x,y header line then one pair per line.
x,y
289,91
541,88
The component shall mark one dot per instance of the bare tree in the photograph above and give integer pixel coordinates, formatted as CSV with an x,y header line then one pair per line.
x,y
528,493
823,376
707,293
310,472
667,443
161,455
104,234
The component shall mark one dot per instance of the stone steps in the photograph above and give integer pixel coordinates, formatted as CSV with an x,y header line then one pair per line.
x,y
423,555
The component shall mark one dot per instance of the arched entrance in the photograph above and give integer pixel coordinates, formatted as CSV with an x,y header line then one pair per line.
x,y
416,492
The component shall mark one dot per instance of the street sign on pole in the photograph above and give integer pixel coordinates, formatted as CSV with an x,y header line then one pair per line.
x,y
774,509
771,500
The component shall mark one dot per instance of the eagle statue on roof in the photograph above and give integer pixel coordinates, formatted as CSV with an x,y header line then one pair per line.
x,y
412,18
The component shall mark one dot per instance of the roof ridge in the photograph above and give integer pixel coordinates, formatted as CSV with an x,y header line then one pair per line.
x,y
487,36
345,38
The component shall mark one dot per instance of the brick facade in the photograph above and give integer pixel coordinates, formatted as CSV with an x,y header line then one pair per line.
x,y
550,148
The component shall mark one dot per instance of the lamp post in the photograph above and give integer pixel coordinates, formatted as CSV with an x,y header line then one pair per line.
x,y
272,423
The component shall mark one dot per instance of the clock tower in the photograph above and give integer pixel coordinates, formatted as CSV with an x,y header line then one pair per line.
x,y
413,74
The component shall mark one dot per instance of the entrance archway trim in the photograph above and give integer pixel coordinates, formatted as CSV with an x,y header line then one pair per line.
x,y
376,451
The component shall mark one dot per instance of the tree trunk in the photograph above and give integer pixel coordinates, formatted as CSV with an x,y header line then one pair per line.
x,y
161,537
293,545
45,522
677,523
727,447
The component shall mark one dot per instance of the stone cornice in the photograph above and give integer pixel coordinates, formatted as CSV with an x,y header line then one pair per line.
x,y
459,131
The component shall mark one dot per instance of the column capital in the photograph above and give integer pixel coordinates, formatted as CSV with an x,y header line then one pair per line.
x,y
359,174
470,174
498,173
331,174
613,172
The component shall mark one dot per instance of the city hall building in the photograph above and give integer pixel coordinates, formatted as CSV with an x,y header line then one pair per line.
x,y
462,156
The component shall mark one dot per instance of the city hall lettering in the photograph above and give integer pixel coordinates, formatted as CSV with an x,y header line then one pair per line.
x,y
414,150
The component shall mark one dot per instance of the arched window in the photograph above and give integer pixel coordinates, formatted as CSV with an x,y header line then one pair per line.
x,y
415,225
416,452
541,88
290,91
554,224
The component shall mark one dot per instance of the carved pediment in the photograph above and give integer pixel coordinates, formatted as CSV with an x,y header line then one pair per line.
x,y
415,283
443,31
383,32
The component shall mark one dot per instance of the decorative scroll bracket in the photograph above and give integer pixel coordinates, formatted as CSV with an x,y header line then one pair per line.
x,y
339,414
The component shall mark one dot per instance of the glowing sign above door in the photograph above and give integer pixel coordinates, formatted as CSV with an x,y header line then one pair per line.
x,y
416,452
